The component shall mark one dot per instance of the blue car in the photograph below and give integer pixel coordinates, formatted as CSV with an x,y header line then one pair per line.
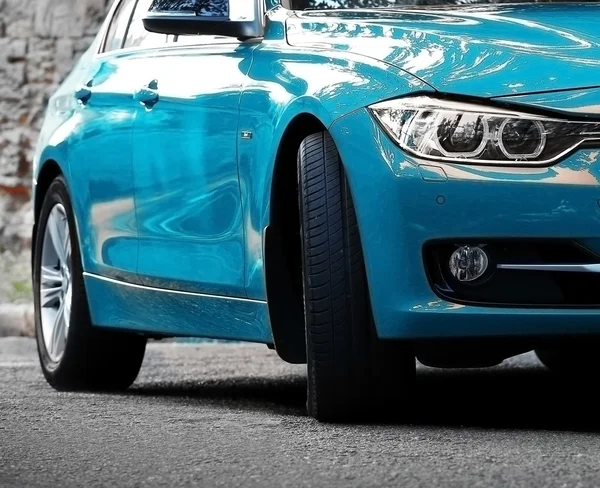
x,y
352,183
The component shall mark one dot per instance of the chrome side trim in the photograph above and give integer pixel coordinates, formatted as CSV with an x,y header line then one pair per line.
x,y
573,268
167,290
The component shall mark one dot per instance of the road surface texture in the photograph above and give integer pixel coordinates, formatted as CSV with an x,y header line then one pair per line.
x,y
233,415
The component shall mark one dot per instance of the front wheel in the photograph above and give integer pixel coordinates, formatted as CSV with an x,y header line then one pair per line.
x,y
73,354
351,373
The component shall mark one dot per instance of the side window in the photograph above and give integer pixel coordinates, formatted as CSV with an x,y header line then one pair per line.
x,y
137,35
204,8
118,26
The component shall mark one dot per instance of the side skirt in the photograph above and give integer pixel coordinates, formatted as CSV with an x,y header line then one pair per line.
x,y
127,306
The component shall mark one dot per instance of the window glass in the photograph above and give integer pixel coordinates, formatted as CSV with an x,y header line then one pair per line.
x,y
202,8
118,26
236,10
137,35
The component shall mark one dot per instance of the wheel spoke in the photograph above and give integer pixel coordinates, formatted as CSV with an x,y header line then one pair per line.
x,y
51,276
57,339
67,307
49,295
55,287
67,244
57,234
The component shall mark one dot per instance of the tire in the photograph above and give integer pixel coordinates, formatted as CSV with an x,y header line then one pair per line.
x,y
580,360
351,373
84,357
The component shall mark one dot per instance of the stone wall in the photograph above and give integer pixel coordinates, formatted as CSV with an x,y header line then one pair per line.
x,y
39,41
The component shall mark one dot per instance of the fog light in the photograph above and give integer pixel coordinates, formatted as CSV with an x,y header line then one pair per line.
x,y
468,263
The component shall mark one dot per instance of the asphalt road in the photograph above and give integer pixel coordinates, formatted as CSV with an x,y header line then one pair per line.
x,y
233,415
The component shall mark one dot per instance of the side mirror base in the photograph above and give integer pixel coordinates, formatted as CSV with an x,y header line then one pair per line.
x,y
170,24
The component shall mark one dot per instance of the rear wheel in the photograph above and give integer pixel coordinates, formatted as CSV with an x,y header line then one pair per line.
x,y
73,354
351,373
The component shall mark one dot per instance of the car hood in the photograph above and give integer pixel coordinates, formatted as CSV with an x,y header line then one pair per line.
x,y
482,50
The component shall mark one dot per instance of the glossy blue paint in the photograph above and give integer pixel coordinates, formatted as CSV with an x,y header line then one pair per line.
x,y
171,201
90,140
284,83
479,203
190,222
174,313
479,50
100,157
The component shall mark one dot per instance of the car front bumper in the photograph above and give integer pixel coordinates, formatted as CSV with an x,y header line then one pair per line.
x,y
403,204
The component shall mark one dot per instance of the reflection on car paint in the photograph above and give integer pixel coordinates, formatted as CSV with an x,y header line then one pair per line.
x,y
482,50
152,310
173,198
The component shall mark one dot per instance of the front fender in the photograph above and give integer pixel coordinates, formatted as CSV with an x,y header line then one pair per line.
x,y
52,148
285,83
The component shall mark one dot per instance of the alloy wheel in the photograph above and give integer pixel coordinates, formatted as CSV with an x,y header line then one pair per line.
x,y
56,286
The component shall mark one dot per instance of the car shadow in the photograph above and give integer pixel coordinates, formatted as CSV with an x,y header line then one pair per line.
x,y
506,397
281,395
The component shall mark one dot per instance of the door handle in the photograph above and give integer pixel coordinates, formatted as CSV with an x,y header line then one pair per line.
x,y
148,95
84,93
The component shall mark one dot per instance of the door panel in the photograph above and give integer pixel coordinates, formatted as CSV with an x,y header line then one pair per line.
x,y
101,161
188,203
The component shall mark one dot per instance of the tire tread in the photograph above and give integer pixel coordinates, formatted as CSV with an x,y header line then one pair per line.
x,y
339,330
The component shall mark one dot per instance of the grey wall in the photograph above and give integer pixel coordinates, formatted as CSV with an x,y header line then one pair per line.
x,y
39,40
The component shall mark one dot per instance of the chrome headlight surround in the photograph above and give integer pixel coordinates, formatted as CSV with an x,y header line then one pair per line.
x,y
470,133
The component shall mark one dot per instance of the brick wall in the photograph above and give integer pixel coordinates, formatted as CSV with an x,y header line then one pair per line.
x,y
39,41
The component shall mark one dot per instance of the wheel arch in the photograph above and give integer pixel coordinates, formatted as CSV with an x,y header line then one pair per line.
x,y
281,243
48,171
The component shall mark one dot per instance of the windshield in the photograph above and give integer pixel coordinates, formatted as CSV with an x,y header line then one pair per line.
x,y
346,4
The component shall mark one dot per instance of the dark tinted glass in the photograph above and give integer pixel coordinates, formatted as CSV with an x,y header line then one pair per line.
x,y
118,26
203,8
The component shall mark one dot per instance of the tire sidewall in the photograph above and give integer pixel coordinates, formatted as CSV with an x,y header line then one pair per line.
x,y
57,194
338,379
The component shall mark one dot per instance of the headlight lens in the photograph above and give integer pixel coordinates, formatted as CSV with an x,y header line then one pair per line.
x,y
477,134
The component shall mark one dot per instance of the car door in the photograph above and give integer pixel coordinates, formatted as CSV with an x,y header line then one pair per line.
x,y
190,220
100,152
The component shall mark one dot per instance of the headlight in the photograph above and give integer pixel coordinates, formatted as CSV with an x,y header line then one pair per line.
x,y
468,133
